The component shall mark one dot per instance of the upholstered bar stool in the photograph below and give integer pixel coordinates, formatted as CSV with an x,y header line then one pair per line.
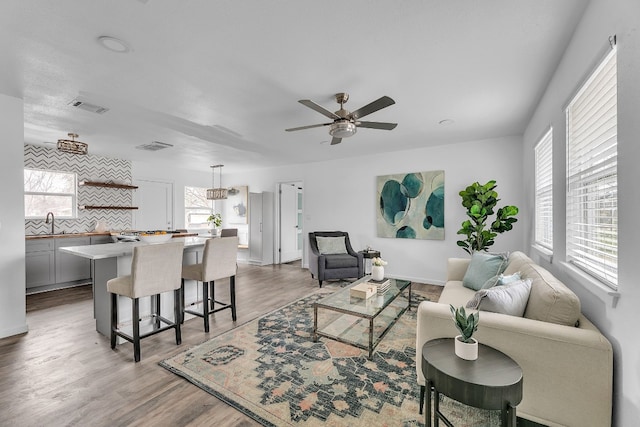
x,y
228,232
218,262
155,269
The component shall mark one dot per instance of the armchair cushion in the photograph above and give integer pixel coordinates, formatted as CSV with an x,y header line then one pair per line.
x,y
331,245
340,261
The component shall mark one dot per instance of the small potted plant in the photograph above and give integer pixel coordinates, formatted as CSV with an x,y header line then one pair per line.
x,y
215,219
377,268
466,347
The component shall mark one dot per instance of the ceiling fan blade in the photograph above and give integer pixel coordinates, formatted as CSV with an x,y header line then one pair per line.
x,y
377,125
307,127
319,108
335,141
376,105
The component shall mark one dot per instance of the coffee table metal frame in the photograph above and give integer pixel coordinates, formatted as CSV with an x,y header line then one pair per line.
x,y
369,309
493,381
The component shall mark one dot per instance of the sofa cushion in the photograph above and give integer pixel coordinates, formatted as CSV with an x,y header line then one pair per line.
x,y
508,299
550,300
340,261
482,267
331,245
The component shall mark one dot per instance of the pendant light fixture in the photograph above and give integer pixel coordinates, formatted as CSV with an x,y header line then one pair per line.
x,y
218,193
72,146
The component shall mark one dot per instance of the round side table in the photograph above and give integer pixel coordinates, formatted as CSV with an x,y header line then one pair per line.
x,y
493,381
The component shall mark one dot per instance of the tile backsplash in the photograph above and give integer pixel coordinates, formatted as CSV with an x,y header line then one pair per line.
x,y
90,168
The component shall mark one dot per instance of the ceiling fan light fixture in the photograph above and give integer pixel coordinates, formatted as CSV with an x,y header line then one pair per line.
x,y
342,129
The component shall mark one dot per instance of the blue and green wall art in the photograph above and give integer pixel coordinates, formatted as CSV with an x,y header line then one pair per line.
x,y
411,205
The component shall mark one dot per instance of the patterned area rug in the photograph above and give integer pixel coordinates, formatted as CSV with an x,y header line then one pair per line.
x,y
271,370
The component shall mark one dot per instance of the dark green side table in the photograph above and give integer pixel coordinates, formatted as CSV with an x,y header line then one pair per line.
x,y
493,381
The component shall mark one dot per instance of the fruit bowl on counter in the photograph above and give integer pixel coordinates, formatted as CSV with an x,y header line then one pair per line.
x,y
155,238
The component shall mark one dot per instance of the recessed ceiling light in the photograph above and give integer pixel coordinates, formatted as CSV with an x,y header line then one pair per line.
x,y
114,44
445,122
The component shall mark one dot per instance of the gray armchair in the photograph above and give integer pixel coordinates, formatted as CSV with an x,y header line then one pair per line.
x,y
331,259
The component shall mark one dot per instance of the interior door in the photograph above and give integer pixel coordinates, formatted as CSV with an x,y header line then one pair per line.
x,y
289,227
155,205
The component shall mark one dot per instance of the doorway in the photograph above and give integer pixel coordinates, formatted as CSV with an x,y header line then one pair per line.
x,y
290,214
155,205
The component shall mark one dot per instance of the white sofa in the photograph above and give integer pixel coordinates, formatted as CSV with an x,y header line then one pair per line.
x,y
567,369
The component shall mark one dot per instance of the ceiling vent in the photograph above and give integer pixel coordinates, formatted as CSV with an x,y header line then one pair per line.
x,y
154,146
87,106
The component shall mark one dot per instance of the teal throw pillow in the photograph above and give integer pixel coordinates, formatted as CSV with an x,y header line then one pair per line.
x,y
508,299
331,245
483,266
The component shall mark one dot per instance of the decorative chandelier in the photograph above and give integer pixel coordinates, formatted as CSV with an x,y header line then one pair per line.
x,y
72,146
218,193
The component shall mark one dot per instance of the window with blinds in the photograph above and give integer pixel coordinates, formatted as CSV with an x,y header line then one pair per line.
x,y
592,196
544,191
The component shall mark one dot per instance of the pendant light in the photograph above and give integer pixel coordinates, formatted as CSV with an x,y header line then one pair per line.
x,y
72,146
218,193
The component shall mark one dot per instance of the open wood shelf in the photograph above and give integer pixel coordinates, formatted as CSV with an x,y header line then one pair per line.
x,y
107,185
106,207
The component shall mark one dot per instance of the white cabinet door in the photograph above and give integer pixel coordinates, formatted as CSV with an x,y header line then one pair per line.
x,y
289,250
261,228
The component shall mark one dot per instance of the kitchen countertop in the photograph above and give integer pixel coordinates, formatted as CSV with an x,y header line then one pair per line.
x,y
114,250
92,233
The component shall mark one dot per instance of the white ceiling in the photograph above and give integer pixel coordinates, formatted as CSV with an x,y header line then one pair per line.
x,y
220,80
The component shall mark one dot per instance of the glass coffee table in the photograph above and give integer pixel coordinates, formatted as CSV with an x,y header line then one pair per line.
x,y
357,321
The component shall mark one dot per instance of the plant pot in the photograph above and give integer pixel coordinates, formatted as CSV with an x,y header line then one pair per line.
x,y
466,351
213,231
377,272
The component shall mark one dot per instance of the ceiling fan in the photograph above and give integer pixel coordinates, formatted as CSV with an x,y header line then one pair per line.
x,y
345,123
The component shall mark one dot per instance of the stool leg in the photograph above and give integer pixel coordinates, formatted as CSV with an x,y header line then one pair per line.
x,y
135,316
114,319
176,315
157,308
212,295
232,290
205,305
421,398
181,302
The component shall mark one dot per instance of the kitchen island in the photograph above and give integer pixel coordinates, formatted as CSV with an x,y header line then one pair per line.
x,y
113,260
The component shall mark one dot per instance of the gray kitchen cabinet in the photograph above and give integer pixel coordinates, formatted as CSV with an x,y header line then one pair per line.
x,y
40,263
70,268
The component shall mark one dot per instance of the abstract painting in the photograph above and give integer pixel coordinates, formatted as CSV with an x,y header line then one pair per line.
x,y
411,205
235,207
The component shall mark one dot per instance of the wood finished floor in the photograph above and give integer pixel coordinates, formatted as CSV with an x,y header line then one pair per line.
x,y
63,373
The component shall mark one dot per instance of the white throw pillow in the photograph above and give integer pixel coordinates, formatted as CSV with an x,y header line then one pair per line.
x,y
331,245
509,299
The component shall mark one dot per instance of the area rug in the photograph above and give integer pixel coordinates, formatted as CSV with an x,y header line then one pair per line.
x,y
271,370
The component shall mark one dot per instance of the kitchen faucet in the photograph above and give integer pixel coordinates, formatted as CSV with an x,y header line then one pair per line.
x,y
52,221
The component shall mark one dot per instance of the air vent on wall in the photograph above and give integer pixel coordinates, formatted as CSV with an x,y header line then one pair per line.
x,y
154,146
87,106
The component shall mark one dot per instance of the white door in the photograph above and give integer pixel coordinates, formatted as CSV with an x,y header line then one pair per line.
x,y
289,227
155,205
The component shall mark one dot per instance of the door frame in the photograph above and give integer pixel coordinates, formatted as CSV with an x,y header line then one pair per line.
x,y
277,234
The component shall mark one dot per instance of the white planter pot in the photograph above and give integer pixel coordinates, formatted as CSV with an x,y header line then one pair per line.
x,y
466,351
377,272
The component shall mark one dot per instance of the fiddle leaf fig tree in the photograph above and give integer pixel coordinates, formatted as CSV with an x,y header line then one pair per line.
x,y
480,231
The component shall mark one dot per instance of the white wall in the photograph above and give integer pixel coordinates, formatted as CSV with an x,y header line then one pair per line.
x,y
601,19
341,195
12,244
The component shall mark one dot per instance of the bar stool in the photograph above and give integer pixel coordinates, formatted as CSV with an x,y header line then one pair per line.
x,y
228,232
218,262
155,269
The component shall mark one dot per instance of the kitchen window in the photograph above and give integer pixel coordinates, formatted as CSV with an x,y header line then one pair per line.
x,y
49,191
196,208
592,175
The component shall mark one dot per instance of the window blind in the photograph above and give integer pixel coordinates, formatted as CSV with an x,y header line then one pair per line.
x,y
592,197
544,191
